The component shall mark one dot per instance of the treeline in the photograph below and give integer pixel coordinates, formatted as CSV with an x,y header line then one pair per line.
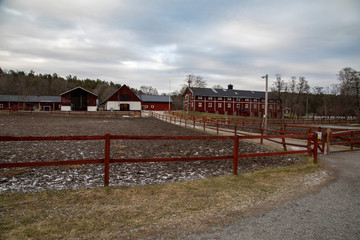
x,y
339,100
21,83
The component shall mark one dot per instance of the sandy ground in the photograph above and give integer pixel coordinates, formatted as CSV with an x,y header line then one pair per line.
x,y
125,174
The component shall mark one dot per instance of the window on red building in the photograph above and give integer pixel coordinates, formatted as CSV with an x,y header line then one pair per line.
x,y
210,104
219,105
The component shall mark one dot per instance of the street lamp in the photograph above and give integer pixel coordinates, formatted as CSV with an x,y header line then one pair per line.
x,y
266,101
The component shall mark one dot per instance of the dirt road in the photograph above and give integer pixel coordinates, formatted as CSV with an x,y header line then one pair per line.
x,y
333,212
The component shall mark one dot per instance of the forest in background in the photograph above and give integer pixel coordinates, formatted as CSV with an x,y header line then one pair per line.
x,y
342,99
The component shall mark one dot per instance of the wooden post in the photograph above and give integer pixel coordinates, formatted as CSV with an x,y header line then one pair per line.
x,y
217,127
328,141
315,139
309,139
235,130
262,134
352,141
283,139
107,160
236,152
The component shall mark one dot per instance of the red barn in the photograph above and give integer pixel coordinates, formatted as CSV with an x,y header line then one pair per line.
x,y
156,102
42,103
79,99
229,101
123,99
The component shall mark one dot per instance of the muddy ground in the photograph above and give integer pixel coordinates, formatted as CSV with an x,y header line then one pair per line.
x,y
124,174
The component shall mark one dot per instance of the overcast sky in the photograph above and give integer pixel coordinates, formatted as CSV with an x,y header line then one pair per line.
x,y
158,42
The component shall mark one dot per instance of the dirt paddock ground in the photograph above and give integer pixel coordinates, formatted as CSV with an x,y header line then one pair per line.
x,y
125,174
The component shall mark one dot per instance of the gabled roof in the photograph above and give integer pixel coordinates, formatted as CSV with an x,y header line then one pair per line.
x,y
219,92
123,86
76,89
32,99
154,98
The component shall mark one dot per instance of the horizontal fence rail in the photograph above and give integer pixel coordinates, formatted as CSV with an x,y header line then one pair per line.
x,y
349,138
310,149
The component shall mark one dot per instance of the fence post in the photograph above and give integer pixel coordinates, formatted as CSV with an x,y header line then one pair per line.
x,y
262,134
204,125
351,141
217,127
235,130
315,138
309,139
107,160
283,139
328,143
236,152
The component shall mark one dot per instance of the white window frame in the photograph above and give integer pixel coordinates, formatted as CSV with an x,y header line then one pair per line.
x,y
200,98
246,105
199,104
238,105
152,106
146,106
219,98
219,105
1,105
210,98
210,105
229,105
229,98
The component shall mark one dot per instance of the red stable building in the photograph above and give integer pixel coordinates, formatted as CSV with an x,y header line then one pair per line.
x,y
156,102
79,99
230,102
40,103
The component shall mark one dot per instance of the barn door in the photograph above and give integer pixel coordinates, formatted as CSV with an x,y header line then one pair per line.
x,y
124,107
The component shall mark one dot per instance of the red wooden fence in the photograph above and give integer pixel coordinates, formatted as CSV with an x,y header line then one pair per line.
x,y
309,148
338,136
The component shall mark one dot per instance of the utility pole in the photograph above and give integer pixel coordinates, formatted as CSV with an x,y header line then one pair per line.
x,y
266,100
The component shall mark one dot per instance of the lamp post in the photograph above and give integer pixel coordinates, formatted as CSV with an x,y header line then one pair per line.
x,y
266,101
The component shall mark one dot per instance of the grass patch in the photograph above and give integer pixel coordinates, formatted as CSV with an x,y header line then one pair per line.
x,y
165,210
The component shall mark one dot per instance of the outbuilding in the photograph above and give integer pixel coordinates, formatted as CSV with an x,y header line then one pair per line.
x,y
123,99
41,103
156,102
79,99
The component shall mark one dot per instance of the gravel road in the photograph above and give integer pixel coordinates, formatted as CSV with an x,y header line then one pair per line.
x,y
333,212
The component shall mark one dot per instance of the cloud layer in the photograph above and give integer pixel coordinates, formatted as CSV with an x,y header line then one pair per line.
x,y
158,42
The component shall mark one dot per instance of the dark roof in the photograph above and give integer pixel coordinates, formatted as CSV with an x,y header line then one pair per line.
x,y
154,98
219,92
19,98
76,89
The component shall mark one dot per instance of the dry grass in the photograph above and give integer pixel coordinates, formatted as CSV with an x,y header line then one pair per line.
x,y
164,210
